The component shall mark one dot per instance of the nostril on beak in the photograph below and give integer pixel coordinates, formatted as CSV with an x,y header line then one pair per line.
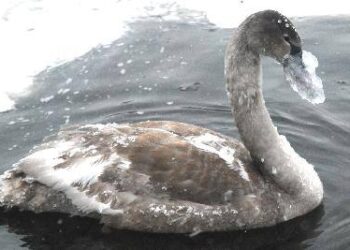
x,y
295,50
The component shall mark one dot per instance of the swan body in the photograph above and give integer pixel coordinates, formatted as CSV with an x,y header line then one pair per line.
x,y
165,176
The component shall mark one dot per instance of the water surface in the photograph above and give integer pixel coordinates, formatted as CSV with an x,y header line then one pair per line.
x,y
164,70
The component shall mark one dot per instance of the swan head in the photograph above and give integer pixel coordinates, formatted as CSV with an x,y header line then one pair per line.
x,y
269,33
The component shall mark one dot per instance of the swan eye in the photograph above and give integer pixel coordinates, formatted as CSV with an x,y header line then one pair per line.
x,y
286,38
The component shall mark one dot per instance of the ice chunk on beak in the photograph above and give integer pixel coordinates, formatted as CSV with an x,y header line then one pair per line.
x,y
299,70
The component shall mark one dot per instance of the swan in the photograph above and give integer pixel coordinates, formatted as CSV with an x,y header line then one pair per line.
x,y
166,176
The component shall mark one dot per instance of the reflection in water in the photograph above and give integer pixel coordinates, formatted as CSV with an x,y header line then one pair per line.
x,y
57,231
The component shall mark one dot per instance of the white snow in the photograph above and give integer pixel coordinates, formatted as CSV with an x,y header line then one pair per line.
x,y
63,91
69,80
39,35
47,99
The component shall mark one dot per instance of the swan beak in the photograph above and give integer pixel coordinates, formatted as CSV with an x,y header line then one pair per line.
x,y
295,50
299,69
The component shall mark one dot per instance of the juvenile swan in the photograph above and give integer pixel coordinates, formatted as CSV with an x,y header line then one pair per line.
x,y
164,176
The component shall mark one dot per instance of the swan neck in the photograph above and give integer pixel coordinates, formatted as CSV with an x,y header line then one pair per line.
x,y
272,153
243,73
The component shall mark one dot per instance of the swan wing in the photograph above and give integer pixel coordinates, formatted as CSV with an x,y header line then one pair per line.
x,y
106,168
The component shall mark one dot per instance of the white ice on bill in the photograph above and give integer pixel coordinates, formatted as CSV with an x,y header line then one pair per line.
x,y
301,75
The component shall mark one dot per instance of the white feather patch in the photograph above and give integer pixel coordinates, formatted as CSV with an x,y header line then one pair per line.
x,y
242,172
83,171
213,144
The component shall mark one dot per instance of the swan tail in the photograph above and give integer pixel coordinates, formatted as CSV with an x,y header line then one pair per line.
x,y
17,190
12,189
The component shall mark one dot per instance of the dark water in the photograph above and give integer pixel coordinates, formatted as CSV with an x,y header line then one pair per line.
x,y
184,82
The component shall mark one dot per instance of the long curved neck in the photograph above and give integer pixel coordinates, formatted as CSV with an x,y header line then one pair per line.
x,y
278,159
